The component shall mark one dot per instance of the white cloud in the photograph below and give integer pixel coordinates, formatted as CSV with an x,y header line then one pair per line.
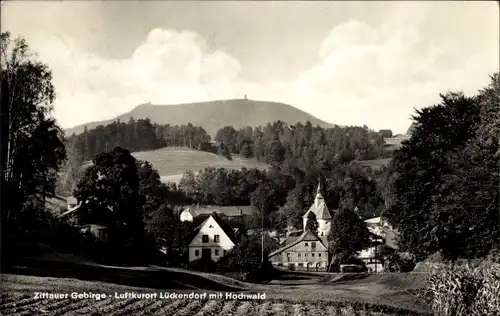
x,y
377,76
363,75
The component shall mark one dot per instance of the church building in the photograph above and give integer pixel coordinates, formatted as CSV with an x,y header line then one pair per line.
x,y
306,251
323,216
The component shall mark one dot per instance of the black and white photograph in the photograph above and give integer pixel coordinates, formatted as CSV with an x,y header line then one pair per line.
x,y
241,158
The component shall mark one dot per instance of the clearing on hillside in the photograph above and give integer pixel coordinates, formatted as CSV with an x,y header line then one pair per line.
x,y
171,162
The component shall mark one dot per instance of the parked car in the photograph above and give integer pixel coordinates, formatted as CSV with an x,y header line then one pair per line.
x,y
353,268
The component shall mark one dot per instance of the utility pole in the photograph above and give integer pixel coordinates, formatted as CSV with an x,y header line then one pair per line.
x,y
262,238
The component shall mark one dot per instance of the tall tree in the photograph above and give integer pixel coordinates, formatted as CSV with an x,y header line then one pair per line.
x,y
348,235
441,176
32,142
312,223
112,182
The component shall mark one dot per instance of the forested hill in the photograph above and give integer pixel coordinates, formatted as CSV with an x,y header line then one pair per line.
x,y
213,115
299,145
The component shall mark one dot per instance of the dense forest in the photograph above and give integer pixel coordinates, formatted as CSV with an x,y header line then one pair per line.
x,y
276,143
137,135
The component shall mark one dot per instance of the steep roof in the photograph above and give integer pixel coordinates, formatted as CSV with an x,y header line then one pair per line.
x,y
305,236
56,204
374,220
319,207
291,237
226,228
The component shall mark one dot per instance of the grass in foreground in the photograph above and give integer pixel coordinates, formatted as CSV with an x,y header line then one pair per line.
x,y
18,299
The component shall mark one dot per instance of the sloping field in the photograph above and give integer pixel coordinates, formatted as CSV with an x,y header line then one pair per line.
x,y
171,163
18,298
376,163
393,143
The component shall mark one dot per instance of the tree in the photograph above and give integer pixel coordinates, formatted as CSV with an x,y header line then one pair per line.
x,y
274,153
162,225
70,172
442,175
246,255
224,151
32,142
246,150
348,235
112,182
312,223
227,136
263,199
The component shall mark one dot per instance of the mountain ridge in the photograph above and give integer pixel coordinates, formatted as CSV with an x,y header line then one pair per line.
x,y
213,115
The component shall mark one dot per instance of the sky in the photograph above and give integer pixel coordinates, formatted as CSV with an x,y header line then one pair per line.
x,y
348,63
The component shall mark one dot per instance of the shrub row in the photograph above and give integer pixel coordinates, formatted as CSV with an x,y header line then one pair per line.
x,y
467,288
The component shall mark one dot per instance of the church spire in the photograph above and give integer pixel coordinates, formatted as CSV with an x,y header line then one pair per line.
x,y
319,196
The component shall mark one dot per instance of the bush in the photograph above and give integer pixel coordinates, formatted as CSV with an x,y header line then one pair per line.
x,y
203,265
265,272
467,288
398,263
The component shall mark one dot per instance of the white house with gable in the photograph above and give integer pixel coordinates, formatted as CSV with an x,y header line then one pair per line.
x,y
212,239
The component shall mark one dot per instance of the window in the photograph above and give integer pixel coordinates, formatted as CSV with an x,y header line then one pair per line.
x,y
196,253
313,245
204,238
322,234
216,252
298,255
224,252
288,254
300,264
216,238
319,254
306,244
312,255
305,255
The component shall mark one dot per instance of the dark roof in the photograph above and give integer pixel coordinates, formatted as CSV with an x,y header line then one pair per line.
x,y
226,210
56,204
305,236
291,237
226,228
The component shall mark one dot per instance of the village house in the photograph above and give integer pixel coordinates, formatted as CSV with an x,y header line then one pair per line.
x,y
302,250
381,233
213,238
307,252
86,225
237,216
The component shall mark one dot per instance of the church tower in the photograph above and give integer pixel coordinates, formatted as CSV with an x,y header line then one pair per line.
x,y
322,213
